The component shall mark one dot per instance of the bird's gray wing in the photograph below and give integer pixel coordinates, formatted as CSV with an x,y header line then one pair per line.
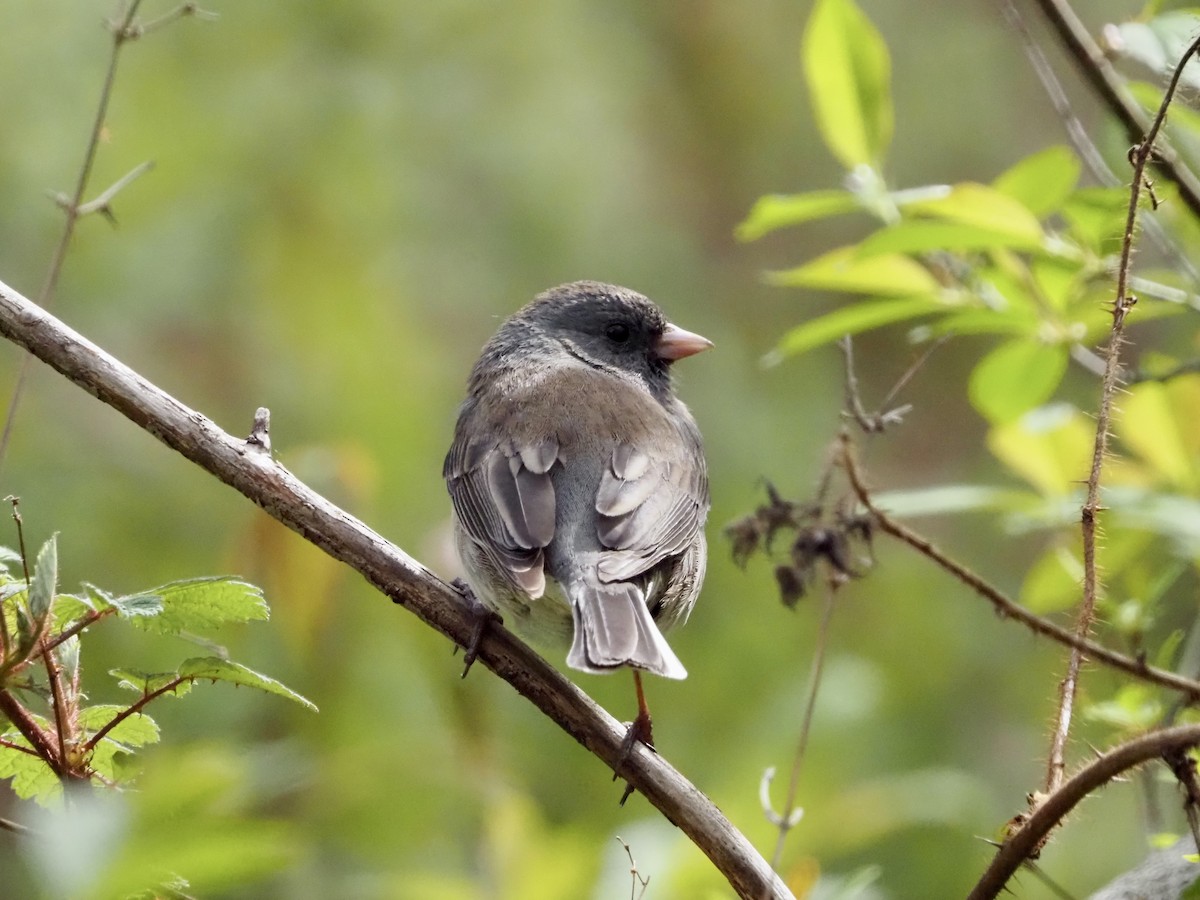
x,y
503,497
650,507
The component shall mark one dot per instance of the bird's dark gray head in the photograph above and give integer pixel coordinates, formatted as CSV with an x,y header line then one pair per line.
x,y
604,326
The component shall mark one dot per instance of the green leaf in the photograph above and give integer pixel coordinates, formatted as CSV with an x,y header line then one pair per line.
x,y
984,209
848,71
1097,217
1016,377
1053,582
914,236
196,604
1151,425
212,667
776,211
148,682
845,269
1134,708
45,579
1041,182
31,778
850,320
136,730
1049,447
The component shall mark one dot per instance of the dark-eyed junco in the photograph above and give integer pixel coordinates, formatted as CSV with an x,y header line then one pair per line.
x,y
578,479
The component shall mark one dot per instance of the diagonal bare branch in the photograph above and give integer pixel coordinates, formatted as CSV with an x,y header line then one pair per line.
x,y
258,477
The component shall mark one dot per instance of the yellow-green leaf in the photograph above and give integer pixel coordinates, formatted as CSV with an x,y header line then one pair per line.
x,y
1041,182
1016,377
1050,448
843,269
776,211
982,208
850,320
848,70
1150,424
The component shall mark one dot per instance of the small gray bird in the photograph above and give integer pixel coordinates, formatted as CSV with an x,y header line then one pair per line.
x,y
578,480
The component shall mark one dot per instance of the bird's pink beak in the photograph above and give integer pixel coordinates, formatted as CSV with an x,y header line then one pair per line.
x,y
676,343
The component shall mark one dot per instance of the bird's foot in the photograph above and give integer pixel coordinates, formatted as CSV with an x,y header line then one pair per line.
x,y
482,617
640,731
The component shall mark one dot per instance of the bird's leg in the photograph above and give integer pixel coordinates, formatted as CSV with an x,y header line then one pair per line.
x,y
640,729
482,617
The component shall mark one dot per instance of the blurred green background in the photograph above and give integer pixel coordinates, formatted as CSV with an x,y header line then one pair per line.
x,y
348,197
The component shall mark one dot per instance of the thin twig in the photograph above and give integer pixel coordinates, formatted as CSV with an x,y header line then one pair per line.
x,y
15,827
1103,78
1017,848
788,819
90,619
133,709
1001,602
45,297
1080,139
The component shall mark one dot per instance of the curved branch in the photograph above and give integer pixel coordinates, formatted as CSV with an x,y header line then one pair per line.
x,y
252,472
1055,807
1105,81
1004,605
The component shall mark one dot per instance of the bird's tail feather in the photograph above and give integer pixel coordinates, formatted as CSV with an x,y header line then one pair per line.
x,y
613,628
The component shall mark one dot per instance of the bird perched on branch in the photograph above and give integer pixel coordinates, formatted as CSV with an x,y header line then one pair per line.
x,y
579,483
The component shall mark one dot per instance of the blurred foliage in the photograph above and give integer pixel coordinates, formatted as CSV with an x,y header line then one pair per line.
x,y
346,198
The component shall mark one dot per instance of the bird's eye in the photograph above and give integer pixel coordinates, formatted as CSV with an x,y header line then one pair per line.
x,y
617,332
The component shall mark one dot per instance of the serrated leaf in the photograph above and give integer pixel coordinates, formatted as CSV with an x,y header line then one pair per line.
x,y
44,581
845,269
1016,377
68,657
212,667
136,730
848,71
1041,182
148,682
852,319
31,779
776,211
196,604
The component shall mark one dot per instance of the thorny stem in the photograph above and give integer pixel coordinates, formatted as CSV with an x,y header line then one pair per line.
x,y
1016,849
62,716
132,710
1104,79
30,731
90,619
1140,157
122,31
1003,604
